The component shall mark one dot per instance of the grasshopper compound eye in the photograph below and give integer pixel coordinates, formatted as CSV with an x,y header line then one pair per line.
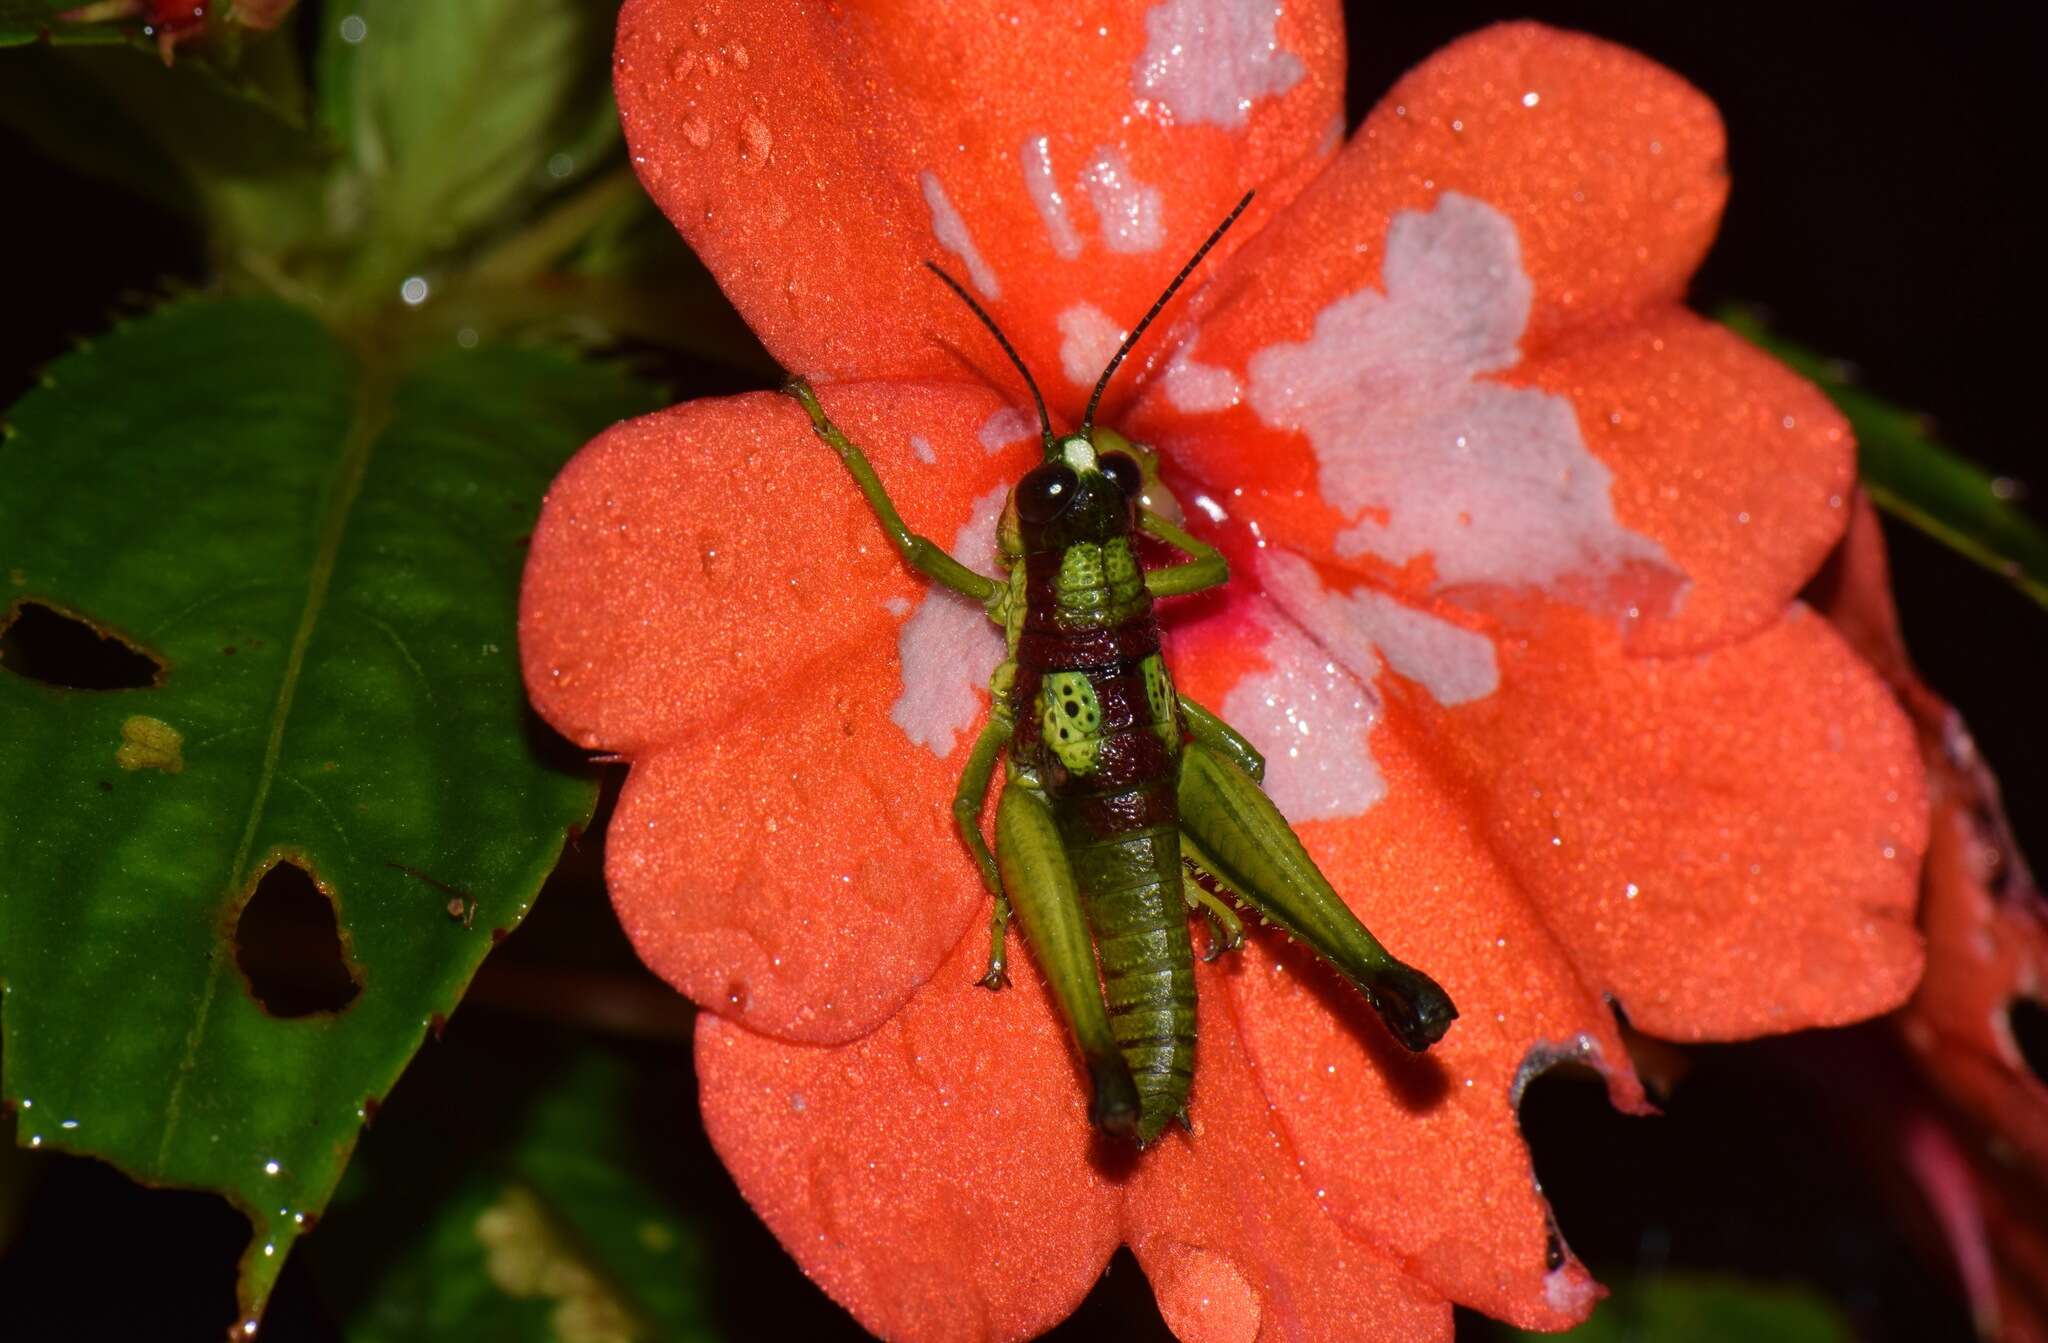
x,y
1045,492
1120,467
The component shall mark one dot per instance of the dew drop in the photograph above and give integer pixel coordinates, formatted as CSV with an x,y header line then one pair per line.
x,y
755,142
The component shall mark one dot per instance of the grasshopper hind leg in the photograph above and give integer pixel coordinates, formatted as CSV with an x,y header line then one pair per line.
x,y
1233,829
1036,871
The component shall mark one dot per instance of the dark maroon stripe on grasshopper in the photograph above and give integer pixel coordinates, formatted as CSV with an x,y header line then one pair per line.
x,y
1081,650
1120,827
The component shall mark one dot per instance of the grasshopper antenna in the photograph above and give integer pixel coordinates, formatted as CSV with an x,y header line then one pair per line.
x,y
1102,384
1044,420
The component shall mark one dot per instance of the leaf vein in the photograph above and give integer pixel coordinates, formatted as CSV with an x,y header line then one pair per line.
x,y
372,410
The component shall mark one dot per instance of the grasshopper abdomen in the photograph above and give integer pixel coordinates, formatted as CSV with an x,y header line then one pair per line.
x,y
1098,727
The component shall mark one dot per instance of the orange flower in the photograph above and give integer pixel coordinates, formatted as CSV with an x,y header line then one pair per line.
x,y
1516,541
1977,1143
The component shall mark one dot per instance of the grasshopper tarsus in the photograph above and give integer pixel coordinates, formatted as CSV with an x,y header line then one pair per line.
x,y
1414,1007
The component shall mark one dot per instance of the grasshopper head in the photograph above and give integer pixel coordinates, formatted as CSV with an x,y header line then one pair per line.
x,y
1089,489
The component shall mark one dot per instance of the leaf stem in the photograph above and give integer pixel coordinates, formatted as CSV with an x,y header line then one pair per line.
x,y
531,250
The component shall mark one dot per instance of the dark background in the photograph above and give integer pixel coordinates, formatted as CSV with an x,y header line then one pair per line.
x,y
1882,155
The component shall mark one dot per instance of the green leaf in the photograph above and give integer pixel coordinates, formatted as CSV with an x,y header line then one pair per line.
x,y
453,112
515,1204
1698,1308
1913,476
321,553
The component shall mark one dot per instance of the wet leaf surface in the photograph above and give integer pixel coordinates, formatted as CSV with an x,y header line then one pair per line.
x,y
322,554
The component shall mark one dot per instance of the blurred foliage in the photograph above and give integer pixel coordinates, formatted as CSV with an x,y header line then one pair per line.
x,y
1689,1308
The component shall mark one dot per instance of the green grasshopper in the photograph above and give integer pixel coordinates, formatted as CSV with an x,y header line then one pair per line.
x,y
1126,805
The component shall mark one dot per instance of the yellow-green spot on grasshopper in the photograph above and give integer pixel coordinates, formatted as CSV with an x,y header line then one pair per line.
x,y
1125,804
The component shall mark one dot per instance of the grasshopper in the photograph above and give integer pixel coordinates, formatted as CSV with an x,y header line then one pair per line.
x,y
1125,805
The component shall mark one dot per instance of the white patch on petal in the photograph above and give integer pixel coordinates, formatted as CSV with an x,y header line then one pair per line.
x,y
1043,186
1362,627
1494,482
1333,136
948,647
1198,389
1310,717
1009,425
1569,1292
1127,212
1088,340
896,606
1210,60
1291,582
921,447
951,231
1454,664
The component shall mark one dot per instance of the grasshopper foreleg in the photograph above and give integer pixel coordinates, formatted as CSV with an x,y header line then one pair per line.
x,y
1206,569
1239,835
922,554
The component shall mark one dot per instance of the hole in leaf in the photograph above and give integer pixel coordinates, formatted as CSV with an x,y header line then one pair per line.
x,y
2029,1021
289,946
47,645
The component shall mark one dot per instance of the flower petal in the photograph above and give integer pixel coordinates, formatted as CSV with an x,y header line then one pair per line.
x,y
1062,165
935,1177
807,902
1739,469
1984,915
1426,369
1728,842
1231,1235
1419,1154
1612,176
717,553
694,577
